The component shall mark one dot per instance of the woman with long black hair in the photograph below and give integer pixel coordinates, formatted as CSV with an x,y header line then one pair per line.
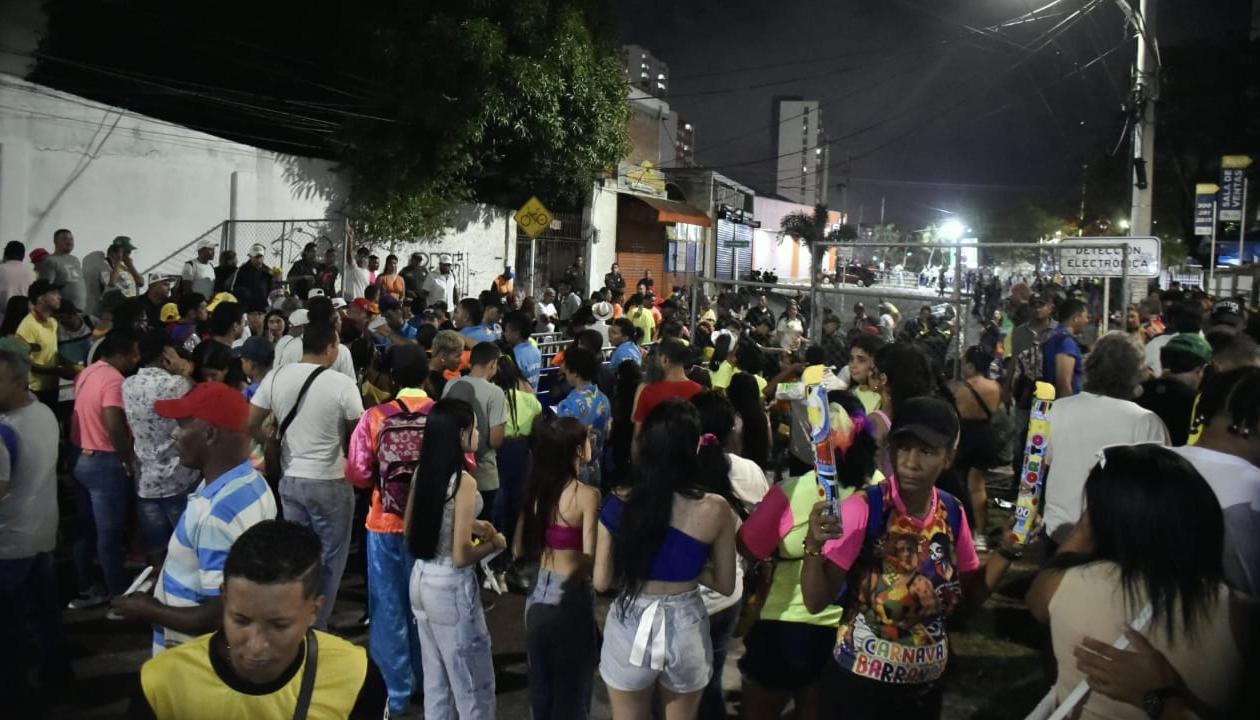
x,y
523,408
621,436
447,541
1148,544
742,484
754,432
557,530
658,542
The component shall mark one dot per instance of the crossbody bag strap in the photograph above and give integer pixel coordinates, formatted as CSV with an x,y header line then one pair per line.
x,y
301,394
988,414
308,677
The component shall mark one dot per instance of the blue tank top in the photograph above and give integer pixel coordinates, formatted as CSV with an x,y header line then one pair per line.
x,y
680,558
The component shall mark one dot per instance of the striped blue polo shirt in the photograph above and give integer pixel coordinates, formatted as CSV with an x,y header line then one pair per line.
x,y
217,513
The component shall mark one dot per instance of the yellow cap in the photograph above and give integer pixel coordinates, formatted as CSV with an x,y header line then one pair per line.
x,y
1044,391
170,312
220,298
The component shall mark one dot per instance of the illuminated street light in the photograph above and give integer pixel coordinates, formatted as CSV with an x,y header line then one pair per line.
x,y
952,229
1123,224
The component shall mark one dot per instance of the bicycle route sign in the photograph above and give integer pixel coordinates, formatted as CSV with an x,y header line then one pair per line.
x,y
534,217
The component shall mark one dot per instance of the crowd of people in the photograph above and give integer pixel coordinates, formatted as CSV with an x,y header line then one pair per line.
x,y
583,445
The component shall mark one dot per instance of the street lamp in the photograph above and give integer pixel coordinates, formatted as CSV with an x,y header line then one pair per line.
x,y
952,229
1123,223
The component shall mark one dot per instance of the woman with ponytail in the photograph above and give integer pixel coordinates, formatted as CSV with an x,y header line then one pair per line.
x,y
658,542
742,484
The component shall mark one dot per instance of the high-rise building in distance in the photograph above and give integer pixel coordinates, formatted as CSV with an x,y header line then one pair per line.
x,y
645,71
801,149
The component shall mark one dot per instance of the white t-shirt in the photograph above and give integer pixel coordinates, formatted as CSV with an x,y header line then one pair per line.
x,y
312,445
1080,426
356,281
288,353
546,316
749,482
199,277
1236,483
440,287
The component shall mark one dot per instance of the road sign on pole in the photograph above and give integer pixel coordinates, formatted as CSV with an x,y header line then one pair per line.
x,y
1144,257
1233,177
1204,207
534,217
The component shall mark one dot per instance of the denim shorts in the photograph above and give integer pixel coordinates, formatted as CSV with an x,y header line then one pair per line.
x,y
658,638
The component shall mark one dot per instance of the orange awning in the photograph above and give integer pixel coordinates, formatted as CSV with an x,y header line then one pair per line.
x,y
672,211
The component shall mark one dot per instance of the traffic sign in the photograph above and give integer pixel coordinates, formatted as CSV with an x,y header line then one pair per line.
x,y
534,217
1205,207
1233,176
1144,256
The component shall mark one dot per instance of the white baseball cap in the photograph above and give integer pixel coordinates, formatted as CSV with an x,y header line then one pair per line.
x,y
339,302
208,243
298,317
314,293
257,249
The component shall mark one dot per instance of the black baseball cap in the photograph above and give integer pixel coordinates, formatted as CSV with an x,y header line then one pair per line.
x,y
1037,299
42,287
928,420
1228,312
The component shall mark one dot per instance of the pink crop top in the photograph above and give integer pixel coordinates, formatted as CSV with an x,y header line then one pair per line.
x,y
564,537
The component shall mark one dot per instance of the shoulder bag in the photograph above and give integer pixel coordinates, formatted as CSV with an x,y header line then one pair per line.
x,y
271,449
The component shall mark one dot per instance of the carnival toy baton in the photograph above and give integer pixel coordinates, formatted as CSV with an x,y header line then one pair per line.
x,y
1032,477
818,410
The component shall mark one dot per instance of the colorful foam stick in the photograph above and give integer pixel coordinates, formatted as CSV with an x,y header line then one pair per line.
x,y
1032,478
819,412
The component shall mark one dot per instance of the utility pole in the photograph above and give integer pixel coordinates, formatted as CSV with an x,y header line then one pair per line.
x,y
1145,92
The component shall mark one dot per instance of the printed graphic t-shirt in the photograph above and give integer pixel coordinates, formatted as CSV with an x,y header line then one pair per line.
x,y
904,587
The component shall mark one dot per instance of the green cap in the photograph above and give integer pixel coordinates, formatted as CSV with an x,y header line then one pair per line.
x,y
15,346
1192,344
124,242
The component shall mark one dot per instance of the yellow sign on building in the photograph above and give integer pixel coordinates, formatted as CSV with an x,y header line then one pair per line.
x,y
534,217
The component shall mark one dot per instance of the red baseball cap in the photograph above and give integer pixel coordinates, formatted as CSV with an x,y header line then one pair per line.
x,y
214,402
366,305
38,255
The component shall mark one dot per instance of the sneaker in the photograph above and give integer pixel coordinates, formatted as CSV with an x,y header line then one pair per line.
x,y
982,543
89,600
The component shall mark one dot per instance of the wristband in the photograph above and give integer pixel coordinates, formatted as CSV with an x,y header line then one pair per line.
x,y
1010,555
808,552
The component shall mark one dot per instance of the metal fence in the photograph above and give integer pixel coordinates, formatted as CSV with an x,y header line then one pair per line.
x,y
541,261
282,240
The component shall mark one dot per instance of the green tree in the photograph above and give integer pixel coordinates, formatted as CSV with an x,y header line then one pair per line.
x,y
499,101
426,104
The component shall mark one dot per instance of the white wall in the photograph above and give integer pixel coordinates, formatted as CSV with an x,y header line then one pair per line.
x,y
478,246
604,223
101,171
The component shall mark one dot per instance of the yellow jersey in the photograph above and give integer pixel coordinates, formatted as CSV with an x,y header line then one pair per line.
x,y
191,682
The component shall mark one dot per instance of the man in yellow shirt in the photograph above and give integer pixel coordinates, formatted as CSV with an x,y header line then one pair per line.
x,y
39,330
267,661
641,318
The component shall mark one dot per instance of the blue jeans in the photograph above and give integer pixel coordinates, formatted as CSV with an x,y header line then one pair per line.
x,y
513,466
562,644
30,622
158,518
327,507
392,636
105,494
454,643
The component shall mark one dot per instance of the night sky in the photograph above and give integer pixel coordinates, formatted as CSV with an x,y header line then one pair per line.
x,y
936,117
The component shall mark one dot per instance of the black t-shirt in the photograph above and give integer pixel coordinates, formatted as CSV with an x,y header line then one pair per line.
x,y
1173,401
